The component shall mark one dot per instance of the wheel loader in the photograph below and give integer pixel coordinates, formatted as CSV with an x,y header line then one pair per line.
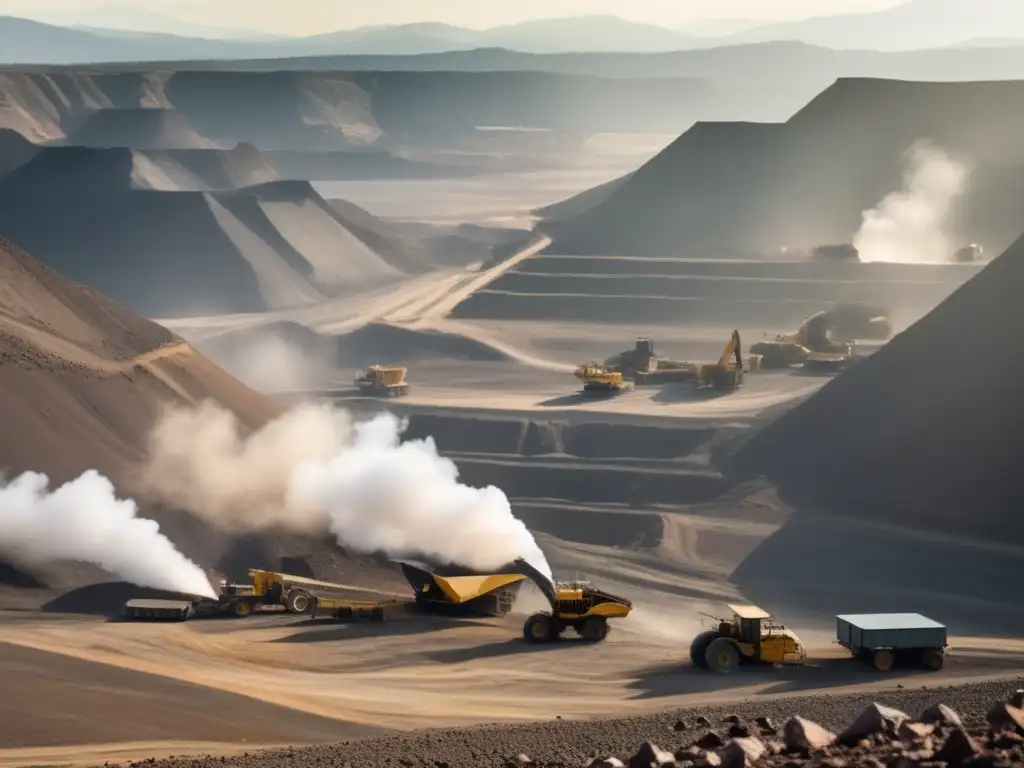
x,y
383,381
749,636
574,605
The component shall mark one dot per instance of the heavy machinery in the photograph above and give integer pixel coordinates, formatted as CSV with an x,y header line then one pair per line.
x,y
574,605
749,636
843,252
463,592
599,380
882,639
383,381
969,253
825,340
727,373
265,589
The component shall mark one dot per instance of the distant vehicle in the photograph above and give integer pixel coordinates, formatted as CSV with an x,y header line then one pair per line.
x,y
969,253
841,252
383,381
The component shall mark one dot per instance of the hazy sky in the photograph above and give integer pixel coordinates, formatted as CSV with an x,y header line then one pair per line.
x,y
312,16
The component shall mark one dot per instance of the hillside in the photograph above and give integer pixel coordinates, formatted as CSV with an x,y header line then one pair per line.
x,y
777,66
728,188
15,150
906,438
114,220
82,376
361,111
143,128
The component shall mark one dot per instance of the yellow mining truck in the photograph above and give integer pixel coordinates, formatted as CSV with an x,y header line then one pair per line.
x,y
383,381
265,588
749,636
574,605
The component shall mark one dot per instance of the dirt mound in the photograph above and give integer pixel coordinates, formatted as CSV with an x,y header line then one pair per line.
x,y
735,188
74,169
137,128
243,166
15,150
925,432
170,253
379,342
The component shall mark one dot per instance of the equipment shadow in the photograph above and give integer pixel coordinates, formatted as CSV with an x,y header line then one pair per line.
x,y
501,649
577,398
331,630
686,393
683,678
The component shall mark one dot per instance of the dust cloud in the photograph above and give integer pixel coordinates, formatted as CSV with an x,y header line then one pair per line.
x,y
907,226
315,469
84,521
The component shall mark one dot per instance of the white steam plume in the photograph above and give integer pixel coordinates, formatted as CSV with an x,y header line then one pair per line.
x,y
84,521
907,226
314,469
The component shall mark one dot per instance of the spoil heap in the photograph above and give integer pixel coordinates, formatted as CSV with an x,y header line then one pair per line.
x,y
927,432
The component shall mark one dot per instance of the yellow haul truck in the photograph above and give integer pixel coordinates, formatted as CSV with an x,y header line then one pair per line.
x,y
574,605
265,588
383,381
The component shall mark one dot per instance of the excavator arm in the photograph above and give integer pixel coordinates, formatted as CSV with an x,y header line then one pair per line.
x,y
546,586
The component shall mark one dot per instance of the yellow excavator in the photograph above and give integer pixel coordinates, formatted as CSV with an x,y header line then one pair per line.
x,y
727,373
600,380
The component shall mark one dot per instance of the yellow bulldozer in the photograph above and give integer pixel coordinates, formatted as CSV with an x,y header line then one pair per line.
x,y
383,381
600,380
748,636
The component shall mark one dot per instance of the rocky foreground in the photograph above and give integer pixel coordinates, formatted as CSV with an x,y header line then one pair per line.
x,y
981,726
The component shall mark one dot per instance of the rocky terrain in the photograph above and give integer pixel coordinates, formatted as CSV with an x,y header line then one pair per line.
x,y
966,725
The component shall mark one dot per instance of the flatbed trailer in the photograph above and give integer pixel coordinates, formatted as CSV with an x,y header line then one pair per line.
x,y
883,639
340,607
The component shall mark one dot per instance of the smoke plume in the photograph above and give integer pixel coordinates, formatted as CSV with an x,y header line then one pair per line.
x,y
84,521
316,470
907,226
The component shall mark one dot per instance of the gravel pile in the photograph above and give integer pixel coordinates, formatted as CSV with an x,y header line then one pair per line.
x,y
963,725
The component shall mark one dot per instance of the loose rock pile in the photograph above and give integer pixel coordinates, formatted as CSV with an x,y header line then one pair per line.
x,y
879,736
835,731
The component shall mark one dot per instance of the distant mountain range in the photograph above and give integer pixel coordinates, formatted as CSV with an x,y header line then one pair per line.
x,y
916,24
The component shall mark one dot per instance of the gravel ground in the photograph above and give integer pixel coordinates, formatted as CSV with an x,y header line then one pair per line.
x,y
577,743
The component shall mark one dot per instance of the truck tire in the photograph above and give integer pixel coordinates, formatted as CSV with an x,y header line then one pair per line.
x,y
699,646
934,660
882,660
540,628
722,655
298,601
239,609
594,629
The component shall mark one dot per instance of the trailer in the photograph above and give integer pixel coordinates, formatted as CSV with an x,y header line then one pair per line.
x,y
159,610
883,639
340,607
